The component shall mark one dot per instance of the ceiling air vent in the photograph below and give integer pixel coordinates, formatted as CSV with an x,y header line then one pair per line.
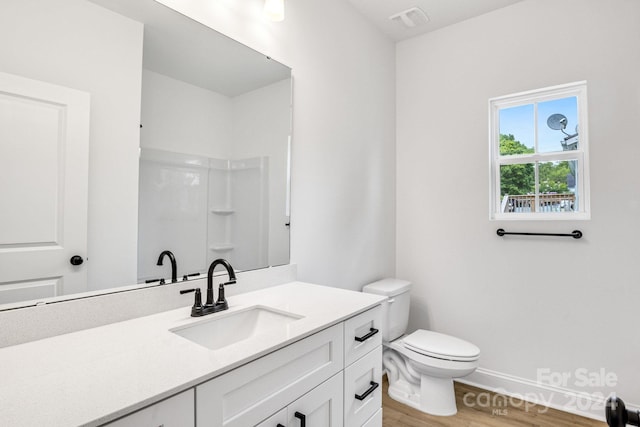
x,y
410,18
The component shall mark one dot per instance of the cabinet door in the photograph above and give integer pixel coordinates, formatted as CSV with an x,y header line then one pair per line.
x,y
321,407
363,388
176,411
279,419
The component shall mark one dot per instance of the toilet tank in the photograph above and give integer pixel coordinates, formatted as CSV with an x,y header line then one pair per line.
x,y
395,310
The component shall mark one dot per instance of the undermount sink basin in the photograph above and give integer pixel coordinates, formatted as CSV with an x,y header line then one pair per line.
x,y
224,329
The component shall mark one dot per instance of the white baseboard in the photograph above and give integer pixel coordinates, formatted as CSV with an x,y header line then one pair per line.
x,y
567,400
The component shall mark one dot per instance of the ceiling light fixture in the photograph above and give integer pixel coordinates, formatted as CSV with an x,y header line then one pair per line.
x,y
274,10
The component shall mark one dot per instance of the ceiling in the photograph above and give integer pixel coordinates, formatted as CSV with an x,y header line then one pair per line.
x,y
215,60
440,13
186,50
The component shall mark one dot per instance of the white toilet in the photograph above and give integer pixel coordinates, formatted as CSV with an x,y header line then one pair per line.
x,y
420,366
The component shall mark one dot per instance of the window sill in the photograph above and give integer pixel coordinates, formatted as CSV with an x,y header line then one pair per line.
x,y
576,216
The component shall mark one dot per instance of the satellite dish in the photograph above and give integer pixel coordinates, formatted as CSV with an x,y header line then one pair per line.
x,y
557,122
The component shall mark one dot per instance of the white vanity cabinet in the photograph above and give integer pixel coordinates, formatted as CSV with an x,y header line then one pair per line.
x,y
311,383
363,369
329,379
142,373
176,411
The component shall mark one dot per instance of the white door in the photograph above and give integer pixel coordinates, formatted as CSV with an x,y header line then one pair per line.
x,y
44,145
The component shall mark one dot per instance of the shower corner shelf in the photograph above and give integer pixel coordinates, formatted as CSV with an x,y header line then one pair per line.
x,y
223,247
224,211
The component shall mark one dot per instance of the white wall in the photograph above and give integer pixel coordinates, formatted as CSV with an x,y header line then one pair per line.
x,y
98,52
343,194
183,118
528,303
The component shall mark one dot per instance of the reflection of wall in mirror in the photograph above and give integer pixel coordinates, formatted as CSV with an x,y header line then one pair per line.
x,y
180,117
85,54
261,127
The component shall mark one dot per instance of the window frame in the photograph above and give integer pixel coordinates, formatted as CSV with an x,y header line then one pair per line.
x,y
581,154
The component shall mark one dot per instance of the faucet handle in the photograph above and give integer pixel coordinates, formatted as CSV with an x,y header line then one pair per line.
x,y
197,304
222,301
186,276
196,310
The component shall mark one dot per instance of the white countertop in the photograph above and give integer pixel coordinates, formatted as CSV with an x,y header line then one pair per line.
x,y
97,375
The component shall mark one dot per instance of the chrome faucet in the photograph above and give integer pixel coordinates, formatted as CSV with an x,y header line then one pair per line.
x,y
174,270
209,306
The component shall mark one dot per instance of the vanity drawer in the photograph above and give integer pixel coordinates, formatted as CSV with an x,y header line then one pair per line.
x,y
360,336
253,392
363,388
176,411
375,420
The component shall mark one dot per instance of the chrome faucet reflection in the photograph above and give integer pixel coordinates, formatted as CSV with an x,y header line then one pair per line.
x,y
209,306
174,270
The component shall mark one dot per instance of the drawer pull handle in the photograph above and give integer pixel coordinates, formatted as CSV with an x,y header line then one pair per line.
x,y
302,417
279,425
372,332
374,385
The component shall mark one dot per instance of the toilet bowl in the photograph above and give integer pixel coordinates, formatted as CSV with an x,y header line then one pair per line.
x,y
420,366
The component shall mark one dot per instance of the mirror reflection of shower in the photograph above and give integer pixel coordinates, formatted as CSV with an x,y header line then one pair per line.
x,y
203,208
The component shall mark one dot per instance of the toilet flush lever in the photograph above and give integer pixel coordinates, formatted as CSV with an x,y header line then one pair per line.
x,y
372,332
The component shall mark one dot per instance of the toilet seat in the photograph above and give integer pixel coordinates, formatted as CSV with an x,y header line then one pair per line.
x,y
441,346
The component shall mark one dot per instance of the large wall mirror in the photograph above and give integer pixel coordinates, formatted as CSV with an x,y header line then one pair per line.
x,y
144,130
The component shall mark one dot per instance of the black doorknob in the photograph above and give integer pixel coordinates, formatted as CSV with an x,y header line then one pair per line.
x,y
76,260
